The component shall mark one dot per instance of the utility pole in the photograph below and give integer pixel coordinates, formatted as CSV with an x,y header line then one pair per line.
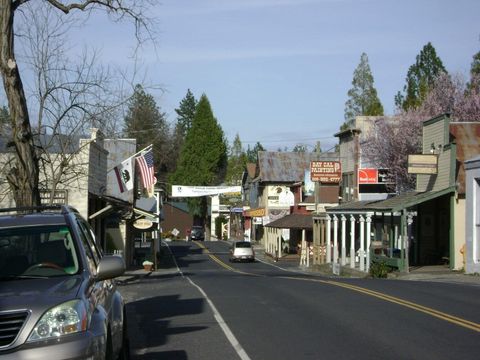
x,y
318,150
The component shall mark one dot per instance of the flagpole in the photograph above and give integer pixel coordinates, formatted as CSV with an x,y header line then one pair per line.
x,y
138,152
141,151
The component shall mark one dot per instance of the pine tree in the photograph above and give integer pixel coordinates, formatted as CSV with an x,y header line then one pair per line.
x,y
252,154
237,161
420,78
145,122
363,98
300,148
203,159
474,83
185,114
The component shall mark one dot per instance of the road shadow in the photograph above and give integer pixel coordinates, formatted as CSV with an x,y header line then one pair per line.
x,y
150,324
164,355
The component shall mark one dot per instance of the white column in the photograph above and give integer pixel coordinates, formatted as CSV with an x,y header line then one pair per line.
x,y
329,242
352,241
362,239
307,248
279,243
335,239
369,238
344,230
396,243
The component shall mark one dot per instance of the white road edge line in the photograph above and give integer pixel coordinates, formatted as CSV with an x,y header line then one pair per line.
x,y
223,325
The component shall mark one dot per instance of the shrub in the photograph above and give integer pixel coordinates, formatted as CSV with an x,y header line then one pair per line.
x,y
379,270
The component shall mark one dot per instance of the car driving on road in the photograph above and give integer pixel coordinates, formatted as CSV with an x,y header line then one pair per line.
x,y
242,251
197,233
58,299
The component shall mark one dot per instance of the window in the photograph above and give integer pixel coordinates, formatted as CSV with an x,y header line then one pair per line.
x,y
38,251
90,251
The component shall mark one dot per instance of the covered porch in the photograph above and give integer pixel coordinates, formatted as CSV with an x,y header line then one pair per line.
x,y
289,237
412,228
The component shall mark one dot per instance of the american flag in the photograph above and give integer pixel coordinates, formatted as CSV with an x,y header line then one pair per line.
x,y
145,164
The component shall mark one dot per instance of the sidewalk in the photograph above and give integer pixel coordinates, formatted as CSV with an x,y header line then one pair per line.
x,y
438,273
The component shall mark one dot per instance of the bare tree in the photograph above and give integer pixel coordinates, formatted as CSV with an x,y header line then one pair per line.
x,y
68,97
23,177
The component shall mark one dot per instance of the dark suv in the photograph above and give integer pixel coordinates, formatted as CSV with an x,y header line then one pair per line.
x,y
58,299
197,233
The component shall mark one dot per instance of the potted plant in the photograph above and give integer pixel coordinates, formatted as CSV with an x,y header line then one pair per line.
x,y
148,265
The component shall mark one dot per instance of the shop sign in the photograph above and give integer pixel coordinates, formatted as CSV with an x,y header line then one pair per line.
x,y
327,172
422,164
367,176
260,212
143,224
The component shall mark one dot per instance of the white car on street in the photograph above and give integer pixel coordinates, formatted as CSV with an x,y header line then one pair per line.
x,y
242,251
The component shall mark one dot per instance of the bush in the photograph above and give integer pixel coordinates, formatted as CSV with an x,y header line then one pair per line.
x,y
379,270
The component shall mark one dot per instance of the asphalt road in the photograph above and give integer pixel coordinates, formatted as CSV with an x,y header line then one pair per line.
x,y
213,309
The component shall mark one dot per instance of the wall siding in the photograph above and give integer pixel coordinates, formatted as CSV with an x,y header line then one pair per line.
x,y
434,133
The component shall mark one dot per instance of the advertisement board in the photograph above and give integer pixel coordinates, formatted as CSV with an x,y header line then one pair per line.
x,y
422,164
326,172
367,176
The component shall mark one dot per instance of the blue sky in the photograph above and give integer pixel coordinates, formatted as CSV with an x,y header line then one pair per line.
x,y
278,71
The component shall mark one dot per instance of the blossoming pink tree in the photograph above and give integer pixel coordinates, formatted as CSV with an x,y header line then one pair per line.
x,y
393,139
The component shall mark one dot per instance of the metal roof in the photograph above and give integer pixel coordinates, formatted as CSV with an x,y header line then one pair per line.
x,y
395,203
288,166
293,221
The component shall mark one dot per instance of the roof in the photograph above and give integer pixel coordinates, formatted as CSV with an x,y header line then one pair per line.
x,y
395,203
288,166
293,221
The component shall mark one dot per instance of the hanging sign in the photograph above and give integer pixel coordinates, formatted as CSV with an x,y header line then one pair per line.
x,y
195,191
143,224
422,164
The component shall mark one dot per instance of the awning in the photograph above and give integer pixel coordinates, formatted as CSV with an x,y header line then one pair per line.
x,y
293,221
146,214
113,204
393,204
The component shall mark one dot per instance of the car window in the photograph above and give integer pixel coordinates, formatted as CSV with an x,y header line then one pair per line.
x,y
243,244
92,257
43,251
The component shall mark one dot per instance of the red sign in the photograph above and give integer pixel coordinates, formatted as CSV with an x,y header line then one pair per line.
x,y
328,172
367,176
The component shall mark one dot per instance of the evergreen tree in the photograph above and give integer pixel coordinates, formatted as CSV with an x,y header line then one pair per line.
x,y
203,159
237,161
300,148
420,78
252,154
474,84
185,114
145,122
363,99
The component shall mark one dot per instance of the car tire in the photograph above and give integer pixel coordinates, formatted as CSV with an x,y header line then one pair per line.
x,y
109,347
125,350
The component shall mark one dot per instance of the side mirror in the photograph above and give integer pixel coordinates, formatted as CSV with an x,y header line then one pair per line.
x,y
110,266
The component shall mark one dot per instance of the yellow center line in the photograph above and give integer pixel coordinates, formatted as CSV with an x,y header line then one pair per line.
x,y
220,262
414,306
432,312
